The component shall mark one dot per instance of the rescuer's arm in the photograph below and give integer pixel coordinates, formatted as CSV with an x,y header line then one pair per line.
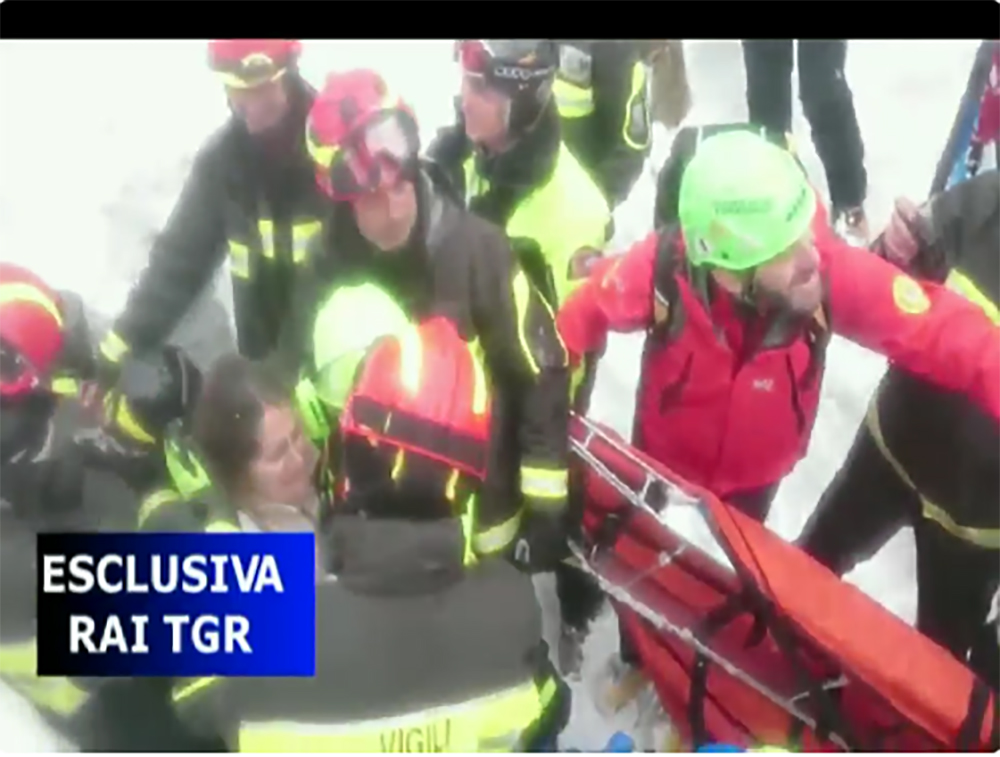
x,y
617,296
929,240
922,327
183,260
621,108
529,364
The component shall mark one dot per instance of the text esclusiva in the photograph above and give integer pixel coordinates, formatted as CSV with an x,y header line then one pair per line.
x,y
161,574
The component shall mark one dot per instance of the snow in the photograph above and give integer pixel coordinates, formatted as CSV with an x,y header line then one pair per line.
x,y
96,139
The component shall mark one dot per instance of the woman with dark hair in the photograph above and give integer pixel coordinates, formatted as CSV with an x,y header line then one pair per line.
x,y
249,432
243,460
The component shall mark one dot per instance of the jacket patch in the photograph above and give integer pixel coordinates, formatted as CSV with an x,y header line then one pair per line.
x,y
909,296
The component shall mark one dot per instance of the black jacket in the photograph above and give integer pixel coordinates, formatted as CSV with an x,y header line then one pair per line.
x,y
598,140
404,628
235,183
461,267
944,442
50,487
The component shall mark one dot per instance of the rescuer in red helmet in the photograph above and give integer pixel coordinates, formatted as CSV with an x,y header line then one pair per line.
x,y
391,227
250,196
61,472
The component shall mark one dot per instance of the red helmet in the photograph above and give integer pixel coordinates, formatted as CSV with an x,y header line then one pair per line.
x,y
31,334
360,135
247,63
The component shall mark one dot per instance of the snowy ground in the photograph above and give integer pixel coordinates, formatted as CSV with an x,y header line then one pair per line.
x,y
92,164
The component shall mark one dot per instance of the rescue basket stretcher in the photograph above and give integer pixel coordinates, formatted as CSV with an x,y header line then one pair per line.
x,y
748,640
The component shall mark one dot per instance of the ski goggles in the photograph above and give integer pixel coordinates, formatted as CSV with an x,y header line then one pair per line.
x,y
491,66
17,374
251,71
379,153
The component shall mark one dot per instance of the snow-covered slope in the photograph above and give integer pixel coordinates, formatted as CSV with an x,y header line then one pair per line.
x,y
90,166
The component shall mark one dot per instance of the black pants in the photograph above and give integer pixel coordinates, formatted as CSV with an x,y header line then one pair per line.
x,y
865,505
826,101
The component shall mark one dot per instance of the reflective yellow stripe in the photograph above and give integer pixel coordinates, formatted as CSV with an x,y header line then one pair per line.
x,y
397,464
18,663
113,347
498,537
189,687
27,293
468,533
573,101
983,537
117,410
543,483
311,411
235,81
480,392
491,723
962,284
222,527
65,386
522,303
154,502
322,155
265,227
239,259
302,234
636,127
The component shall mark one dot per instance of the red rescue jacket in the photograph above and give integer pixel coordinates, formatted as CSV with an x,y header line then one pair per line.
x,y
725,410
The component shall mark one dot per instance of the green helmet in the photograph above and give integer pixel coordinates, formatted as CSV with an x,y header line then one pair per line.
x,y
743,201
351,319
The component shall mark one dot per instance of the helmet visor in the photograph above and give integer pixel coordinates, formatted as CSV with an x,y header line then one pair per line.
x,y
377,154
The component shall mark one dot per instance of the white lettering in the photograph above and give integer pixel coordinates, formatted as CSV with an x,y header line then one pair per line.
x,y
81,568
206,640
176,623
219,561
113,636
194,569
195,574
135,586
52,568
139,623
103,565
81,628
244,578
269,576
519,73
237,628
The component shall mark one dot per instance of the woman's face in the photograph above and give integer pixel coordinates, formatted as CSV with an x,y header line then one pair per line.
x,y
282,472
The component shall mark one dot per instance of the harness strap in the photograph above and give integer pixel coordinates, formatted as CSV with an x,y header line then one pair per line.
x,y
969,733
449,445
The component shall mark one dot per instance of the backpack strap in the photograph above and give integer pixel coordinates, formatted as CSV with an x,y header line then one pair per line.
x,y
668,310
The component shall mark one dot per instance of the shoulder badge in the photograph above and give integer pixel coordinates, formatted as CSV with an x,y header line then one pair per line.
x,y
909,296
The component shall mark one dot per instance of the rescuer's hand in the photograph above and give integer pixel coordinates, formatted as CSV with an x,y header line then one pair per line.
x,y
910,242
